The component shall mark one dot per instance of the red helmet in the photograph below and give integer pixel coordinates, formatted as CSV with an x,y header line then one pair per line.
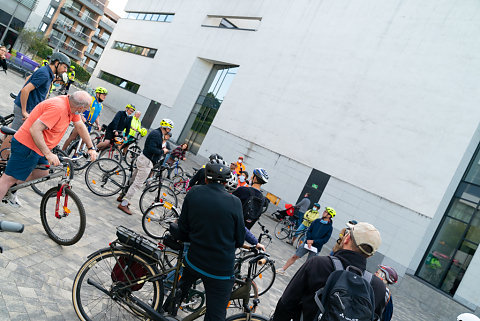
x,y
390,274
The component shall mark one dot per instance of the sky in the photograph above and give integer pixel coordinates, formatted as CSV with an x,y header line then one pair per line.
x,y
117,7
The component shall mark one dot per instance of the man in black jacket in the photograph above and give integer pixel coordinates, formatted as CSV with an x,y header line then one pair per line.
x,y
121,121
359,243
199,177
211,220
151,154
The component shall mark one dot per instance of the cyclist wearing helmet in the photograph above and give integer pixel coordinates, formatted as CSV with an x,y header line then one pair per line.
x,y
309,216
199,177
151,154
389,276
211,220
317,234
35,90
71,79
120,122
467,317
252,198
91,116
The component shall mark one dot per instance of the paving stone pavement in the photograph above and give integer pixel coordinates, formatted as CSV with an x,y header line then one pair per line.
x,y
36,274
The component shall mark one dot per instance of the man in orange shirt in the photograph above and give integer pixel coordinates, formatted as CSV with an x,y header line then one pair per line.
x,y
40,133
240,166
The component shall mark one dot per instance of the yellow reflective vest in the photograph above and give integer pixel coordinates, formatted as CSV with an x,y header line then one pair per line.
x,y
309,217
135,126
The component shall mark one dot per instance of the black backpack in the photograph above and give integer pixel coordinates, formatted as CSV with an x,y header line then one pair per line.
x,y
252,206
347,295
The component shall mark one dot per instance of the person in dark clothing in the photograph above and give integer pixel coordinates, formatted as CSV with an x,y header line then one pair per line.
x,y
244,193
199,177
3,53
389,276
359,243
211,220
120,122
318,233
151,154
301,208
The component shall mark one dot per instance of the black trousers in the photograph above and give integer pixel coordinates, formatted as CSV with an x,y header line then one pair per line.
x,y
217,293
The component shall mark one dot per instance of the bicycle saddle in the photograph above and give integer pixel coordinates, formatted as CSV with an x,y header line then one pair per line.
x,y
7,130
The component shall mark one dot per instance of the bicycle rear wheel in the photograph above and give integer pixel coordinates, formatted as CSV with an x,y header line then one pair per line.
x,y
133,152
91,303
178,184
263,274
105,177
157,218
282,229
152,195
244,316
112,152
63,216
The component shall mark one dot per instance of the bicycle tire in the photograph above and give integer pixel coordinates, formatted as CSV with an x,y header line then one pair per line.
x,y
105,177
237,303
300,240
282,229
178,184
151,292
63,228
261,272
133,151
5,154
156,220
112,152
245,316
150,196
171,171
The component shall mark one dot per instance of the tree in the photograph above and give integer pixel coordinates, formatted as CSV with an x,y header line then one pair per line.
x,y
33,42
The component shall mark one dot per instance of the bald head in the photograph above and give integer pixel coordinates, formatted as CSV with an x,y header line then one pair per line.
x,y
80,99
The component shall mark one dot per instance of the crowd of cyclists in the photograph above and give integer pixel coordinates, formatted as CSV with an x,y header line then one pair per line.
x,y
222,205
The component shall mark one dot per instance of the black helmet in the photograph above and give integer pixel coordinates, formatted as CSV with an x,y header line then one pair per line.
x,y
214,156
60,57
217,171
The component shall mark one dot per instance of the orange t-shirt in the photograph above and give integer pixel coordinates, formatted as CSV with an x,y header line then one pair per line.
x,y
54,113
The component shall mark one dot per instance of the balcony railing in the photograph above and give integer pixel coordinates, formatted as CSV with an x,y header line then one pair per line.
x,y
79,16
95,5
107,24
31,4
67,49
69,30
94,56
100,41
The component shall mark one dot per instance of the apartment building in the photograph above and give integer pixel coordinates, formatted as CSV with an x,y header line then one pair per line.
x,y
14,15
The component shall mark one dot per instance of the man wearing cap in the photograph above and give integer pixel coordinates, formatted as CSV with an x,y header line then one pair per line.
x,y
239,166
359,243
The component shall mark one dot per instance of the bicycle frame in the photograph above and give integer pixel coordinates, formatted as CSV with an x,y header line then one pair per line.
x,y
67,176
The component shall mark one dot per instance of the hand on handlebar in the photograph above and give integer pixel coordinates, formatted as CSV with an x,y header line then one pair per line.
x,y
260,247
52,159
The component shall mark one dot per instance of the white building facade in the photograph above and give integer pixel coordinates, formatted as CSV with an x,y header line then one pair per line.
x,y
369,106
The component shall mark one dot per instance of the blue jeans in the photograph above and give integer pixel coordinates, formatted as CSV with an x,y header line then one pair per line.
x,y
166,158
300,229
300,218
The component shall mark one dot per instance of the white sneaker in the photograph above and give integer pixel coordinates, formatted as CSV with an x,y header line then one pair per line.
x,y
12,200
280,271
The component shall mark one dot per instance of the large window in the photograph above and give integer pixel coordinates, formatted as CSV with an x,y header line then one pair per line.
x,y
162,17
457,236
138,50
120,82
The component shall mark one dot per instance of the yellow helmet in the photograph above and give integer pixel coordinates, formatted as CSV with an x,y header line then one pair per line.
x,y
101,90
330,211
143,131
130,106
166,123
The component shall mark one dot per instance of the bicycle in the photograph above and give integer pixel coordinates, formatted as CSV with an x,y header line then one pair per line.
x,y
14,227
179,183
157,218
168,169
285,228
58,228
106,177
131,150
77,150
123,282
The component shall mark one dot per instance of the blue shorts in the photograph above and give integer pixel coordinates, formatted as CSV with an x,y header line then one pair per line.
x,y
301,251
23,161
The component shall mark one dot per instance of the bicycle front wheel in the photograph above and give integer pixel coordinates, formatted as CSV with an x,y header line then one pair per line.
x,y
245,316
178,184
157,219
63,216
112,152
133,152
282,229
157,193
105,177
96,296
263,274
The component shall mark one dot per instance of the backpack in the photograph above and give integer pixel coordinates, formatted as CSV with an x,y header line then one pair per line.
x,y
252,206
127,270
347,295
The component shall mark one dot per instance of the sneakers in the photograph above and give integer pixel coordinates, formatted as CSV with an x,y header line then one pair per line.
x,y
12,200
125,209
280,271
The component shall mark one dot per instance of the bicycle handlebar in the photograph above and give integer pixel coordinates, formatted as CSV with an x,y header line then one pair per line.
x,y
14,227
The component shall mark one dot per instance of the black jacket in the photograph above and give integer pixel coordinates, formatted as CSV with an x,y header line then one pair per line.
x,y
153,145
320,233
3,64
198,178
120,122
212,221
299,293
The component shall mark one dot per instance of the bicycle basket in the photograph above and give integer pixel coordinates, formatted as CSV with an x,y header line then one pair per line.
x,y
130,238
127,271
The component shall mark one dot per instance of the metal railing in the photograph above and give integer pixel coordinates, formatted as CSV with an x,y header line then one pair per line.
x,y
69,29
80,15
57,43
108,22
31,4
96,3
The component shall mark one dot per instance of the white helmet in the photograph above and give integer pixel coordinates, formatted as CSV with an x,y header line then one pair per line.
x,y
467,317
65,77
166,123
232,183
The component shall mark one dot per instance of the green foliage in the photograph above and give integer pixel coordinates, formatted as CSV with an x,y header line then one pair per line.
x,y
34,42
81,74
44,50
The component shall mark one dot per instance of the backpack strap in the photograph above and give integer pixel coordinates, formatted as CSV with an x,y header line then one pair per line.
x,y
367,276
337,264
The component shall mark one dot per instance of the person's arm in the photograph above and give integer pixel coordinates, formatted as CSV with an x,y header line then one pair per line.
x,y
24,93
195,178
36,130
83,132
250,238
114,123
239,224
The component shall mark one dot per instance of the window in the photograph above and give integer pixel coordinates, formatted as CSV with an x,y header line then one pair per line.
x,y
92,64
43,27
4,17
138,50
162,17
50,12
97,32
117,81
237,23
98,51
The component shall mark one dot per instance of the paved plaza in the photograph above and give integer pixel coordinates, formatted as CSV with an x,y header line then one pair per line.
x,y
36,274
